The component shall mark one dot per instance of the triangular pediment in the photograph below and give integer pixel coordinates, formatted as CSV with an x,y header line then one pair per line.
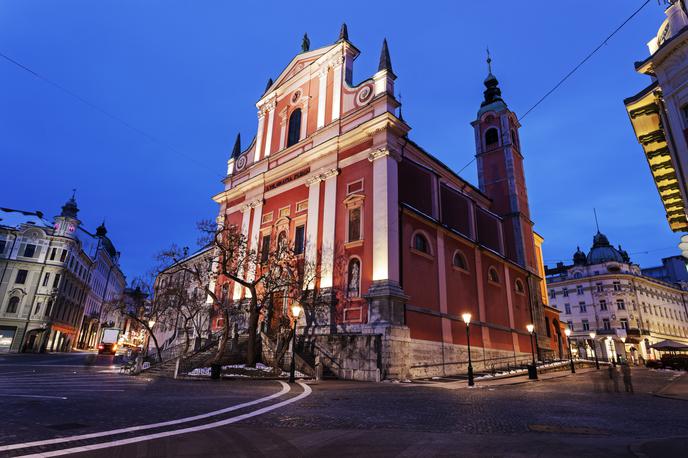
x,y
298,63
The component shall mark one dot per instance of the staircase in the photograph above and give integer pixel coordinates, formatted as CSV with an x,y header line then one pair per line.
x,y
175,362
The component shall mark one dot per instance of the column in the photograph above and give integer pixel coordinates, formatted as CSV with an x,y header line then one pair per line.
x,y
442,287
245,221
480,281
322,97
510,308
259,136
283,128
311,255
337,86
385,216
270,110
329,212
254,240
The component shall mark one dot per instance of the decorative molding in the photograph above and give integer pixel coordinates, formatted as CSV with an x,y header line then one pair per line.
x,y
383,152
322,175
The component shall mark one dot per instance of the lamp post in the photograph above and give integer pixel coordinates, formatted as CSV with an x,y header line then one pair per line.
x,y
594,350
295,311
151,323
567,331
532,373
467,319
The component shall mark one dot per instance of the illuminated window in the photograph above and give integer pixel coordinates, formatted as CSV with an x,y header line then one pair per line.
x,y
13,305
491,137
420,243
294,134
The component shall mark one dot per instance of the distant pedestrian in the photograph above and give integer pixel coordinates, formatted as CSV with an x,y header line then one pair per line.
x,y
614,377
628,382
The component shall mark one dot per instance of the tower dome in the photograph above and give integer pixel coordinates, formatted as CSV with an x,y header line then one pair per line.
x,y
579,258
602,251
69,209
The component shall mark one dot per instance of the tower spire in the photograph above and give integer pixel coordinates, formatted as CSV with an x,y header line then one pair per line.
x,y
236,151
492,91
489,62
597,224
343,33
385,61
268,85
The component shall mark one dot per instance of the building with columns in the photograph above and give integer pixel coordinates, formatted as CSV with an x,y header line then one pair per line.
x,y
54,278
334,169
605,293
659,113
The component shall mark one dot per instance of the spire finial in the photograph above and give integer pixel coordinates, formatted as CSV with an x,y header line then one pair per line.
x,y
385,61
489,61
343,33
73,193
401,116
236,151
269,85
305,43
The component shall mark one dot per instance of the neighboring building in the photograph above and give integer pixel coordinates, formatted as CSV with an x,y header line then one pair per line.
x,y
672,270
50,274
332,169
659,113
173,331
605,293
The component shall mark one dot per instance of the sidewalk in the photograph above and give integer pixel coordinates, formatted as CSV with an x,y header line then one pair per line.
x,y
676,389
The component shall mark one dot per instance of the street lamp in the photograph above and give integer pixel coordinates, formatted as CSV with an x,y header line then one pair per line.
x,y
467,319
532,373
296,312
567,331
594,350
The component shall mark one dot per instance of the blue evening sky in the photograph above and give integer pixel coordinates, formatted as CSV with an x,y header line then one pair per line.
x,y
189,73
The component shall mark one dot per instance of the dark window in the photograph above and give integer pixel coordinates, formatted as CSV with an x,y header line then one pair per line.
x,y
354,224
519,286
460,261
52,254
2,246
29,251
21,277
46,278
49,307
56,282
299,239
514,138
491,136
265,248
549,332
13,305
603,304
294,127
420,243
492,275
63,256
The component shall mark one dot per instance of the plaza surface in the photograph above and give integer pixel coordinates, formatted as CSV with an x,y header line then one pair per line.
x,y
79,405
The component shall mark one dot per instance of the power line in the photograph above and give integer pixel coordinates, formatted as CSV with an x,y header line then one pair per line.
x,y
95,107
580,64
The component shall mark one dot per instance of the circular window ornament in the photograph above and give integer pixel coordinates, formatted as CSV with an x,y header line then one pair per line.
x,y
364,95
241,162
296,96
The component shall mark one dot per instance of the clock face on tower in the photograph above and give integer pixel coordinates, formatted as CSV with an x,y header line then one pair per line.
x,y
57,226
71,228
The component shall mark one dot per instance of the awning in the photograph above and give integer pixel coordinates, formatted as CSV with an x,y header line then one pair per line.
x,y
669,345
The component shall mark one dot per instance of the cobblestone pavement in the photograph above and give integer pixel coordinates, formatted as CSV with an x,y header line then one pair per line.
x,y
580,415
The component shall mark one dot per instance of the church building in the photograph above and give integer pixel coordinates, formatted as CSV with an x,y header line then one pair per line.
x,y
334,169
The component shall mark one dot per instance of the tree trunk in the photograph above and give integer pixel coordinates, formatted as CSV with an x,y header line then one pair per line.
x,y
252,353
223,338
155,341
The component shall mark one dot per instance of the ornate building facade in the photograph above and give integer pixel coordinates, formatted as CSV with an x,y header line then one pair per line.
x,y
54,278
605,293
659,113
333,169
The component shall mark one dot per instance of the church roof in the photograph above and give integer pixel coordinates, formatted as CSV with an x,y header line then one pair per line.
x,y
603,251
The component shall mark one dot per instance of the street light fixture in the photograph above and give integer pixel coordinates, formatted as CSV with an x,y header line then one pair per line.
x,y
594,349
567,331
296,310
467,319
532,373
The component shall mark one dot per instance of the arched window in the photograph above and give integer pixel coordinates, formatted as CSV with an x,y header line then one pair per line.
x,y
294,127
13,305
491,136
420,243
492,275
459,260
353,282
519,286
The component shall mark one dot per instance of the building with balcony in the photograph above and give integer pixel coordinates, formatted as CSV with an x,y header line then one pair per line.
x,y
659,113
54,278
605,293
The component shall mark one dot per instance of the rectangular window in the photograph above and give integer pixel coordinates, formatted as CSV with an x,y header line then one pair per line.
x,y
570,323
301,206
299,239
63,256
567,309
583,307
46,279
354,224
265,248
552,294
356,186
53,253
606,324
624,323
599,287
586,325
603,304
566,292
617,286
620,304
284,212
29,251
56,281
579,290
267,218
21,276
2,246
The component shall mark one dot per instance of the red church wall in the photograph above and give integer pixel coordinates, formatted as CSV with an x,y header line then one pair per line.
x,y
496,308
455,210
488,229
461,284
355,150
459,334
312,92
424,326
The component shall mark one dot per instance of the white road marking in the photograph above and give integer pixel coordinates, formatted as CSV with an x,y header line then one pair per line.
x,y
32,396
2,374
285,389
87,448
